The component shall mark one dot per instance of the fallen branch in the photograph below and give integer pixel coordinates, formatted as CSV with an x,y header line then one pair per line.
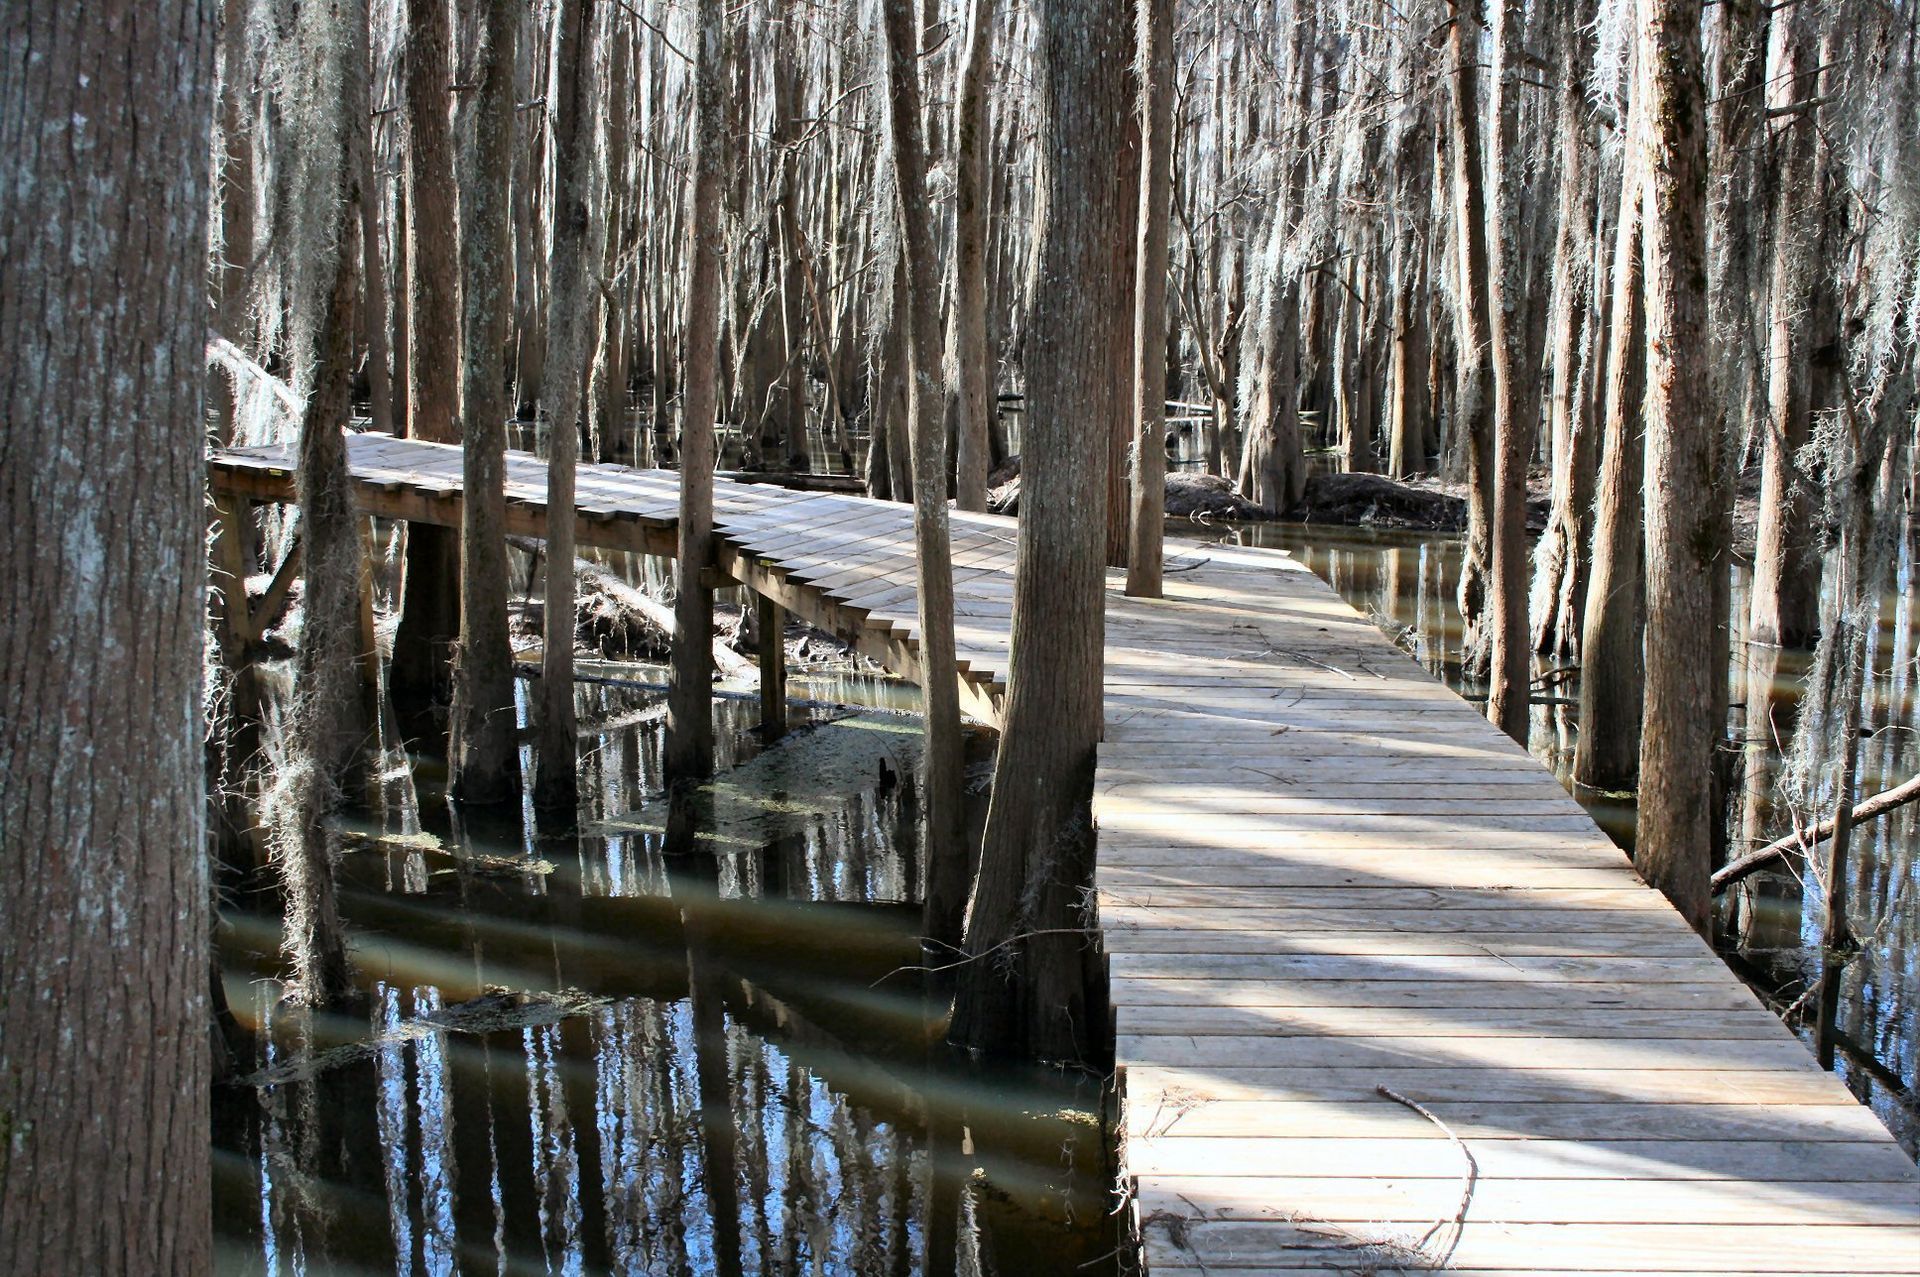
x,y
656,613
1878,805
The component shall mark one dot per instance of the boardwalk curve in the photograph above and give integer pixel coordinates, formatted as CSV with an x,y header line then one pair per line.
x,y
1385,998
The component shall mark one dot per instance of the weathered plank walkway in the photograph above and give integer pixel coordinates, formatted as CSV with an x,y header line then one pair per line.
x,y
1332,892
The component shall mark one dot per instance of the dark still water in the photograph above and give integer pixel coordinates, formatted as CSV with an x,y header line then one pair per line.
x,y
585,1056
1769,926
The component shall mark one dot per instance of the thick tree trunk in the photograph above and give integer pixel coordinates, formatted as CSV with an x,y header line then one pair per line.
x,y
1686,542
945,848
556,779
689,745
103,886
1608,751
486,750
1273,464
1154,40
1029,924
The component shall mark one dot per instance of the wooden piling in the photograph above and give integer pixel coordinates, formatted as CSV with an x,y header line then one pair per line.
x,y
772,622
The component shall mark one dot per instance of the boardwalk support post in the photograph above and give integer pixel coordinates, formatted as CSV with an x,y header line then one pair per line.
x,y
771,620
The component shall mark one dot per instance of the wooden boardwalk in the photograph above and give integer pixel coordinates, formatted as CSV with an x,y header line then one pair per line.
x,y
1386,999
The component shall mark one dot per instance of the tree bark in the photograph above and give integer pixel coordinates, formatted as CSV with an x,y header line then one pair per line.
x,y
1516,415
1025,987
1608,751
569,98
1685,541
1560,560
103,955
1273,466
945,848
973,373
433,260
1411,410
1785,596
1154,38
689,746
421,678
1474,398
486,749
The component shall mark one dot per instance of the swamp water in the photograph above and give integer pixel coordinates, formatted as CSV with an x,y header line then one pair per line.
x,y
583,1055
1768,927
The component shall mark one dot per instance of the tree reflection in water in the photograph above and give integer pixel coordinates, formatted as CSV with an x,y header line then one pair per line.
x,y
596,1056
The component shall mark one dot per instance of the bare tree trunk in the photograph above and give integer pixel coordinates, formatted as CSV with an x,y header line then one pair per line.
x,y
569,97
1411,409
945,848
373,284
1473,323
1560,559
1273,469
1738,120
103,955
1608,751
791,403
689,746
1516,403
433,263
1785,596
233,186
1685,541
420,677
1026,985
486,750
972,370
336,673
1154,38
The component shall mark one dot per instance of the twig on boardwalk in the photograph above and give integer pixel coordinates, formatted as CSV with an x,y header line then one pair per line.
x,y
1467,1181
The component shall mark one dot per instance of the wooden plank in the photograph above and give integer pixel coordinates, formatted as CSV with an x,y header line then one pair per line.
x,y
1525,1201
1436,997
1561,1051
1514,1079
1698,1024
1164,935
1873,1161
1477,1121
1228,1245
